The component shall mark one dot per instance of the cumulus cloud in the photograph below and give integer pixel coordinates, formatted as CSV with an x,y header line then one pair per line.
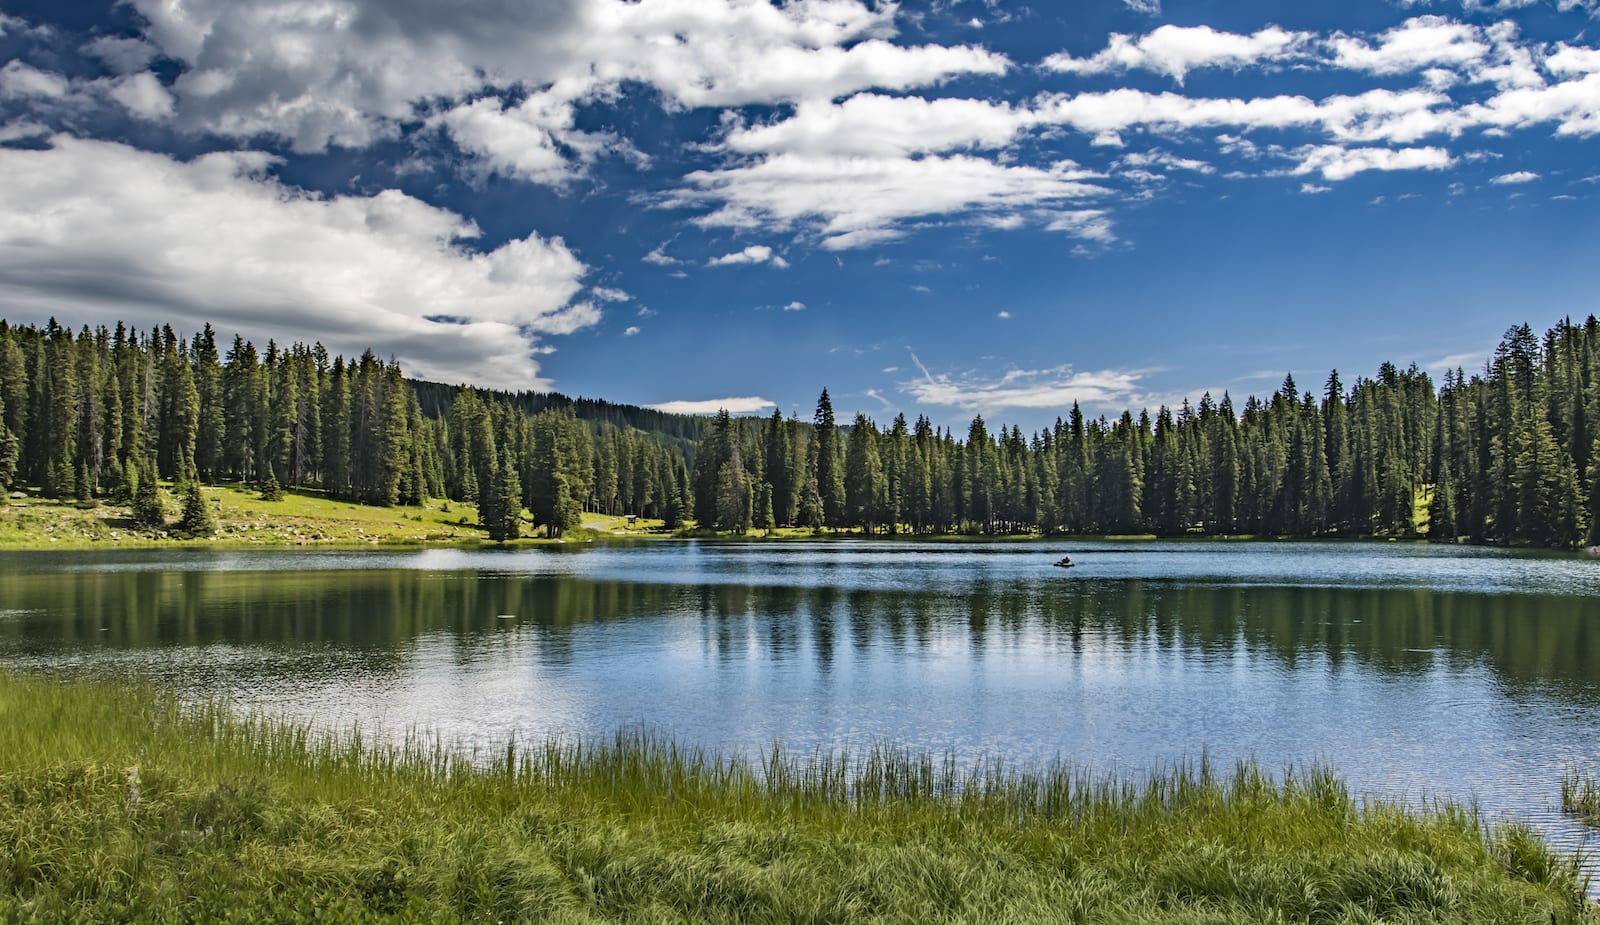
x,y
141,94
102,231
630,330
795,306
348,73
123,55
1336,163
1422,42
744,405
535,140
1520,176
1057,387
754,254
1177,50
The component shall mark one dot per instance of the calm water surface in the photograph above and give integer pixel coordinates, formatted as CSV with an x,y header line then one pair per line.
x,y
1414,671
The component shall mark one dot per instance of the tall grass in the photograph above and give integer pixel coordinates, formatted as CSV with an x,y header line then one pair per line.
x,y
119,804
1580,795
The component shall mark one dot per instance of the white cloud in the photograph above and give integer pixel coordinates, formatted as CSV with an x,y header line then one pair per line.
x,y
608,294
1519,176
1569,59
1057,387
856,201
102,231
1004,315
1123,109
795,306
1147,7
646,312
1422,42
535,140
347,73
883,126
1573,104
20,129
22,81
123,55
658,257
754,254
1312,189
630,330
745,405
1336,163
1177,50
1159,158
142,95
1089,224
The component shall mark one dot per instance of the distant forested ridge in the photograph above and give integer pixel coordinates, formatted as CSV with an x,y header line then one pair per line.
x,y
1509,454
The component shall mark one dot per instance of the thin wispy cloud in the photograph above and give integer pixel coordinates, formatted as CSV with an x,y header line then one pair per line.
x,y
742,405
1054,388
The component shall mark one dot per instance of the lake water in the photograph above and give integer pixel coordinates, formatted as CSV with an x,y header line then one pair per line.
x,y
1414,671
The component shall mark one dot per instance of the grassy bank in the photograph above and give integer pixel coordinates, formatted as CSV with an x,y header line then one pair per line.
x,y
300,518
116,804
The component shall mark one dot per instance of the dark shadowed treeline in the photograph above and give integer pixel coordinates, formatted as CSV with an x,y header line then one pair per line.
x,y
1506,455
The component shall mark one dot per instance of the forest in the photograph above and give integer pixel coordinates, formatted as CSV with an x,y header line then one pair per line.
x,y
1508,454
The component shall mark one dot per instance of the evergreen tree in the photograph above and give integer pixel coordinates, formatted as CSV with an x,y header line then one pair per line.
x,y
504,511
830,478
865,486
10,446
733,494
270,489
148,508
196,519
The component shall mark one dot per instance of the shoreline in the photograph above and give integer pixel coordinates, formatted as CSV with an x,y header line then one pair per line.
x,y
306,519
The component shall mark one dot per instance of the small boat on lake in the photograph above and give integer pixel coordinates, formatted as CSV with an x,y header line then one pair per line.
x,y
1065,562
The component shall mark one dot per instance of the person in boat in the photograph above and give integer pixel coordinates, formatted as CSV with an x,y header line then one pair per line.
x,y
1064,562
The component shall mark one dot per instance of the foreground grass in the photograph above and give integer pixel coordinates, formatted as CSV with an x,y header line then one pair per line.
x,y
116,804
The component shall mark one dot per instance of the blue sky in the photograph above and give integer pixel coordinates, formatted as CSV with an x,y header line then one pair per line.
x,y
937,208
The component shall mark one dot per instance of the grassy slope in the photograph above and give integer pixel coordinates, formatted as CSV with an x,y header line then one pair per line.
x,y
300,519
115,804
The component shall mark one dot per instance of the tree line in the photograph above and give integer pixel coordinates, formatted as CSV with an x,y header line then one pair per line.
x,y
1509,454
109,412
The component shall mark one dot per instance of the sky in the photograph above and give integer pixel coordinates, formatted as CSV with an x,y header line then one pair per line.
x,y
932,208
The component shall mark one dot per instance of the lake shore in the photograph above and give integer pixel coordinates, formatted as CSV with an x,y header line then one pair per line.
x,y
120,803
304,518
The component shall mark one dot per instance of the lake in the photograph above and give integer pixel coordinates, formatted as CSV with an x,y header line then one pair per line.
x,y
1414,671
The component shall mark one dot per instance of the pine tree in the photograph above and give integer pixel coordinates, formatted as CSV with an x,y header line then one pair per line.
x,y
196,519
504,514
865,487
733,494
270,489
10,447
148,508
830,478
